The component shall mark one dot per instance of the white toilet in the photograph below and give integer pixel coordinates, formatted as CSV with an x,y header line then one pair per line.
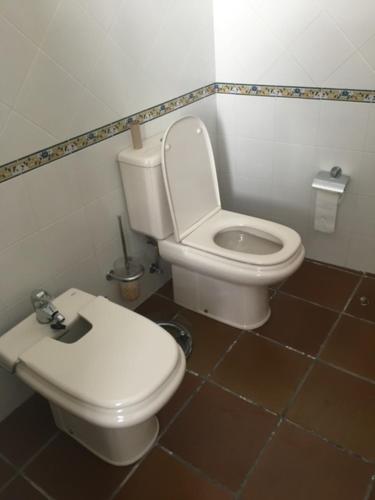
x,y
222,262
107,376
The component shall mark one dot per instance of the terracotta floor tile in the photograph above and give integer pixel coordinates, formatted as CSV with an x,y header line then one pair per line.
x,y
352,346
20,489
167,290
220,434
6,472
25,430
298,324
339,407
324,285
158,308
187,387
162,477
299,466
210,340
262,371
366,289
66,470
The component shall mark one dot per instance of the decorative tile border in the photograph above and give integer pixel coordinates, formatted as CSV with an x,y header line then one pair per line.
x,y
351,95
58,151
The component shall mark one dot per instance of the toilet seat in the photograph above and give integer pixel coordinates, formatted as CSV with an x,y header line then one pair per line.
x,y
203,238
193,195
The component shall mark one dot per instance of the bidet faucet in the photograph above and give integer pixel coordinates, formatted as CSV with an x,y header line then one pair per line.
x,y
46,312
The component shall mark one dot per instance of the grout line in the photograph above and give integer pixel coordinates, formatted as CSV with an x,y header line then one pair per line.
x,y
288,294
338,446
353,294
37,487
128,476
258,459
358,318
39,451
243,398
4,486
181,409
347,372
195,469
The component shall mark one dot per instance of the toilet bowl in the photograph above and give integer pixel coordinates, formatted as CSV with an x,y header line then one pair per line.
x,y
222,262
105,378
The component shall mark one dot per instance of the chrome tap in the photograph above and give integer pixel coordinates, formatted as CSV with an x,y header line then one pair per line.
x,y
46,312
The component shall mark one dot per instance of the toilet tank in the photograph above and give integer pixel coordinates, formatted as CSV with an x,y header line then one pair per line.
x,y
145,194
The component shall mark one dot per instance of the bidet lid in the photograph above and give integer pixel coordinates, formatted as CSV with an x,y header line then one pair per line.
x,y
121,361
189,174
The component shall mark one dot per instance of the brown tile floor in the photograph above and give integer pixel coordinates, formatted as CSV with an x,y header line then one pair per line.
x,y
283,413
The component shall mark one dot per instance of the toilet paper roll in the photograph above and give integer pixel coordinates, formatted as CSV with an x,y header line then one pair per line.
x,y
326,211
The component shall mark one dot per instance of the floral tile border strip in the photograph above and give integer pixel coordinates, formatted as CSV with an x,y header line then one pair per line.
x,y
65,148
351,95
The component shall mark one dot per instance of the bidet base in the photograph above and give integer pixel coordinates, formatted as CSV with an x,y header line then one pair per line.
x,y
117,446
242,306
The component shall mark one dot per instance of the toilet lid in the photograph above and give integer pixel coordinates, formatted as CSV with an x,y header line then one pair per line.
x,y
189,174
121,361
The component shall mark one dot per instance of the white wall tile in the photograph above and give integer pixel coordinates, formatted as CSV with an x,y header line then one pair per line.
x,y
20,137
104,13
73,40
17,219
53,191
16,56
47,90
288,18
366,181
342,124
355,19
32,18
4,113
361,253
293,165
286,71
321,48
255,117
355,72
23,267
253,158
368,52
296,120
101,216
370,135
97,169
66,242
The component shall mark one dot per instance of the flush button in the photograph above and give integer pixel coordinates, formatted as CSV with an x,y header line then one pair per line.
x,y
199,131
167,147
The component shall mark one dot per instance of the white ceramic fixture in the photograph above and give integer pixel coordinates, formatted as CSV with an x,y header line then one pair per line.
x,y
105,376
222,262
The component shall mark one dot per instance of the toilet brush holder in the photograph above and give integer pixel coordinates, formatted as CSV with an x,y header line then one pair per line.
x,y
127,275
126,271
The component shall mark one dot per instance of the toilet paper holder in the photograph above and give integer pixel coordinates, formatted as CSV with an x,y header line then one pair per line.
x,y
333,181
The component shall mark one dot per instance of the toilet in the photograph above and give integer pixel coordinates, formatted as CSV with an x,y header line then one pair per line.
x,y
222,262
105,376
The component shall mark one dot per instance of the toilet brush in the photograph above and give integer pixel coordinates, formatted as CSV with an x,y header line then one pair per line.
x,y
126,270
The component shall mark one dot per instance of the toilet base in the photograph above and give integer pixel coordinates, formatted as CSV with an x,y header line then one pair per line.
x,y
242,306
117,446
